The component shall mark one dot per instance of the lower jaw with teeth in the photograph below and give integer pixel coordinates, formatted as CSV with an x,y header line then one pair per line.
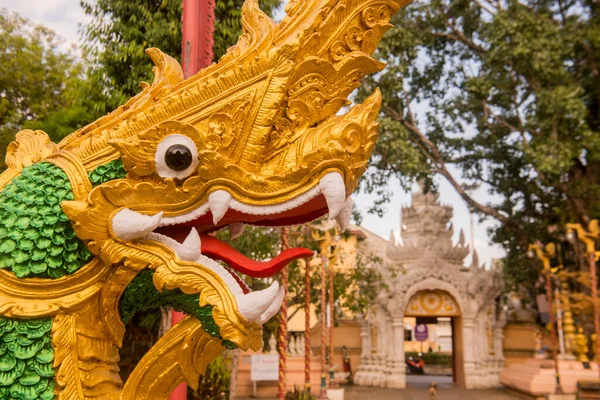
x,y
257,307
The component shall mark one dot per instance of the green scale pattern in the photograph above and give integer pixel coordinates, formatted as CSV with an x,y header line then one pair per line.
x,y
26,357
141,294
107,172
36,237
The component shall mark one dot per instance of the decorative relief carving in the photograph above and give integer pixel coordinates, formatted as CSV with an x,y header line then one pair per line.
x,y
432,303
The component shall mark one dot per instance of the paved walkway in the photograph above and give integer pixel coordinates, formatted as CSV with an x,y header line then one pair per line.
x,y
420,393
417,390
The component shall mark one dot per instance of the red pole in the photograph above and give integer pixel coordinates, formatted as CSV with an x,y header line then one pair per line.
x,y
307,327
197,39
323,391
198,22
594,284
331,350
282,345
552,328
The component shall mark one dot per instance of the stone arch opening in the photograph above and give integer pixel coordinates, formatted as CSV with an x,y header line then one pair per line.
x,y
432,261
429,305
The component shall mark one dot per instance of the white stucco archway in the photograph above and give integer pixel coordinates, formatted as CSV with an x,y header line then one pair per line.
x,y
431,261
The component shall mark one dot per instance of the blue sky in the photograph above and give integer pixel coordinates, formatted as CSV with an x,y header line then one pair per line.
x,y
65,18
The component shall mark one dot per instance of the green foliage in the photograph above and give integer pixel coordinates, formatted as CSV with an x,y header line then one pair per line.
x,y
430,358
299,395
121,30
141,294
507,93
360,286
39,82
354,289
215,383
26,359
36,237
260,244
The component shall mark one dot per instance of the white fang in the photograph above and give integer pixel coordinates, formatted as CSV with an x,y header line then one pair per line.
x,y
274,307
333,188
190,248
129,225
253,305
218,202
236,229
343,218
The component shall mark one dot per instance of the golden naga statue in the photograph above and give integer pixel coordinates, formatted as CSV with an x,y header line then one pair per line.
x,y
117,216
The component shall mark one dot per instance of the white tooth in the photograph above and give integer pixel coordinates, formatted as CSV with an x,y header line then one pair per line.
x,y
237,290
128,225
274,307
236,229
343,218
253,305
333,188
190,248
218,202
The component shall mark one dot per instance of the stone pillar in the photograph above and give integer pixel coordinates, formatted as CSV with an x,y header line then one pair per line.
x,y
388,353
379,357
397,378
359,377
499,336
499,356
470,363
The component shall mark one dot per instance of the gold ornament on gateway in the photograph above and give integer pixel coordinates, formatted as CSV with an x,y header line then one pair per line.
x,y
123,208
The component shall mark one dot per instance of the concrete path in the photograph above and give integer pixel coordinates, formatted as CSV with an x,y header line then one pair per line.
x,y
420,393
425,380
417,390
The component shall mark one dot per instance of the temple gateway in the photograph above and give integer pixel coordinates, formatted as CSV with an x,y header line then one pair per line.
x,y
430,286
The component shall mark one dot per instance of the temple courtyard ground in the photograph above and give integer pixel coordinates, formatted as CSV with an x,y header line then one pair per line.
x,y
420,393
417,387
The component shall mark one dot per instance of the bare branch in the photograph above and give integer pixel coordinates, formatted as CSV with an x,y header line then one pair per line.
x,y
562,12
438,160
462,38
501,121
590,58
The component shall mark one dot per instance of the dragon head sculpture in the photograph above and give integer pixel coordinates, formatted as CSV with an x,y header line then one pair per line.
x,y
119,215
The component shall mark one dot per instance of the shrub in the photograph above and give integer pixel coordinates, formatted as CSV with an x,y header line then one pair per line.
x,y
431,358
299,395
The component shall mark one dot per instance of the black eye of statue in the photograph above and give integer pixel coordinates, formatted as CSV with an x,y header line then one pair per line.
x,y
178,157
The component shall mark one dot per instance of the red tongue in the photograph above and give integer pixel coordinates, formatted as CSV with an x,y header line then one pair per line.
x,y
218,250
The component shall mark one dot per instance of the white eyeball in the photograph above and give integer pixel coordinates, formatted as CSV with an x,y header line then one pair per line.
x,y
176,157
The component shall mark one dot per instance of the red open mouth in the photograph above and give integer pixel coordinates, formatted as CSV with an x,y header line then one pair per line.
x,y
219,250
192,241
189,236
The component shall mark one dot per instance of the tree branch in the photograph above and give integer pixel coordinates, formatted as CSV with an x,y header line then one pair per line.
x,y
500,120
468,43
577,204
590,57
562,12
435,156
461,36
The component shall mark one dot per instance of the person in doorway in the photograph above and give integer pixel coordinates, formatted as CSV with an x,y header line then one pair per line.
x,y
347,368
433,391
